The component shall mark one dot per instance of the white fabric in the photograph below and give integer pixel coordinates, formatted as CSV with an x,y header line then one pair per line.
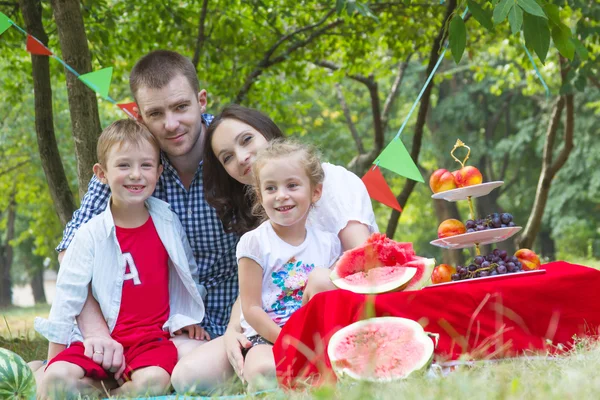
x,y
95,256
345,198
285,267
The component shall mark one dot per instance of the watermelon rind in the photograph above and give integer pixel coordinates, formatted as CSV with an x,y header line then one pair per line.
x,y
341,368
17,381
419,283
401,280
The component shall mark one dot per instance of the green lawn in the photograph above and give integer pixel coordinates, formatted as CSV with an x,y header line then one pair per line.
x,y
17,334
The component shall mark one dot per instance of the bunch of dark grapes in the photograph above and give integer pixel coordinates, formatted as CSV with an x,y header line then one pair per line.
x,y
496,263
492,221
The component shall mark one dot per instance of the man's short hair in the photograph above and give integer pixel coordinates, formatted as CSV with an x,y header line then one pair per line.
x,y
157,68
120,132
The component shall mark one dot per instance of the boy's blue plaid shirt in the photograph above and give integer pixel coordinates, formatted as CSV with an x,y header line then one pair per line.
x,y
213,249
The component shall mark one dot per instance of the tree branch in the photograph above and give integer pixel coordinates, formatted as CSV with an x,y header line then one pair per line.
x,y
348,116
389,101
201,37
19,165
267,61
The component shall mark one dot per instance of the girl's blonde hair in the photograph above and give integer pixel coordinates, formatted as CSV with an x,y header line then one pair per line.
x,y
277,149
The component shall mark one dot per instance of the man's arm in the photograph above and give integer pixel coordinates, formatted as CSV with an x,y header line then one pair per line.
x,y
93,203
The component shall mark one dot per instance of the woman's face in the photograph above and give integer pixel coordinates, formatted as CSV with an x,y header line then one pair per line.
x,y
235,145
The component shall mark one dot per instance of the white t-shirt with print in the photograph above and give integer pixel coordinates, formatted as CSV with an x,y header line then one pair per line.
x,y
285,267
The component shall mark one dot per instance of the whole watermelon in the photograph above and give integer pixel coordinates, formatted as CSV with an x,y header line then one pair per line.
x,y
16,378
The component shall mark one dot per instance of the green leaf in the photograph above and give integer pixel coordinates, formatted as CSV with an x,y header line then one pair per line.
x,y
537,35
458,37
561,34
580,49
553,13
339,6
531,7
502,9
483,16
515,17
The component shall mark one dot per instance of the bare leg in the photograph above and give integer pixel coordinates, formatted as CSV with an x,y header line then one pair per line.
x,y
147,381
185,345
205,368
259,368
62,379
318,281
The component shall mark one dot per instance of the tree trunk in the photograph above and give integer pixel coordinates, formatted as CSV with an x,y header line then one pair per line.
x,y
446,210
61,194
37,286
6,255
550,168
434,55
83,105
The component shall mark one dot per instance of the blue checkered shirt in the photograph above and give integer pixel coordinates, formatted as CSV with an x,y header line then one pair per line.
x,y
213,249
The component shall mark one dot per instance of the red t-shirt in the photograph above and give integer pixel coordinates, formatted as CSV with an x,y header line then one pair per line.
x,y
145,294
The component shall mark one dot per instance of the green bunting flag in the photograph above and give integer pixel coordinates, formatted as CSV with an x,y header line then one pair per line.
x,y
395,157
98,81
4,23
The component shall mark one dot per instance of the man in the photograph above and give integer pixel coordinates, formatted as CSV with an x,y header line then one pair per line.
x,y
170,104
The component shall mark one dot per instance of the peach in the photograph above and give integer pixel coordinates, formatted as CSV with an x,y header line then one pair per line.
x,y
528,259
442,273
467,176
451,227
441,180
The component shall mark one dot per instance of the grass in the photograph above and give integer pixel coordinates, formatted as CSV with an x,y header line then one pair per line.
x,y
17,334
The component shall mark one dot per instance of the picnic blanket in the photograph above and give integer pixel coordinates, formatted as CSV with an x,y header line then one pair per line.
x,y
486,318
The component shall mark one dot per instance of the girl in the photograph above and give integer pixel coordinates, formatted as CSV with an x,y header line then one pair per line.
x,y
274,259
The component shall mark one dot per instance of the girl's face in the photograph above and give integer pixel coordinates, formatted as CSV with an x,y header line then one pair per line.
x,y
235,145
285,190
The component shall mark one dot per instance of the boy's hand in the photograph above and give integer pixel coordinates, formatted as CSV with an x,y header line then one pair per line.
x,y
107,352
194,332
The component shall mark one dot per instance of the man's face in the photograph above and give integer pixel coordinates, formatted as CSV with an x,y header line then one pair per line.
x,y
172,115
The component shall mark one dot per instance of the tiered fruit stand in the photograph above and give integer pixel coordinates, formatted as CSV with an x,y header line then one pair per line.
x,y
477,238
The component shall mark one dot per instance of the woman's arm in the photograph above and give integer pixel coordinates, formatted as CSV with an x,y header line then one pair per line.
x,y
250,274
353,235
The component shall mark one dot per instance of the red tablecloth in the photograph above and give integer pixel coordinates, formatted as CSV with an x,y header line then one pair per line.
x,y
488,318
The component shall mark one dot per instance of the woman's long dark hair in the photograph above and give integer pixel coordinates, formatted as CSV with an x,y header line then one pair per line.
x,y
226,195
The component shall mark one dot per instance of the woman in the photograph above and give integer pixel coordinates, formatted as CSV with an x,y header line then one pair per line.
x,y
231,143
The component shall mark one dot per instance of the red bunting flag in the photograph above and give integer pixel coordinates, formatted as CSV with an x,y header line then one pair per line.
x,y
36,47
378,188
128,109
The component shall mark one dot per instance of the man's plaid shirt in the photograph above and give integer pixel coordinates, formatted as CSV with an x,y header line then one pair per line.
x,y
214,249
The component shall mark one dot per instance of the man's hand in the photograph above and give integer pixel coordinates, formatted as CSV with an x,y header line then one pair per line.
x,y
234,343
194,332
107,352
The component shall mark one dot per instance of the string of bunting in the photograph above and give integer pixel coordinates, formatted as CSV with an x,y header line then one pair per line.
x,y
395,156
98,81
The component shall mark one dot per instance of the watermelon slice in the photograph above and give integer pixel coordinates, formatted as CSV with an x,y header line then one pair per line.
x,y
382,265
380,349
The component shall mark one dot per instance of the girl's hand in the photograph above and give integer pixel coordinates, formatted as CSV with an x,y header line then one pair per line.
x,y
194,332
234,343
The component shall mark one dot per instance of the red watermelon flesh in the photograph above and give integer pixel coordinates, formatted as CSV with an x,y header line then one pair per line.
x,y
379,263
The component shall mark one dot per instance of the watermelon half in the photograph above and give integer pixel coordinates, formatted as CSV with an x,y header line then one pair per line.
x,y
382,265
381,349
16,378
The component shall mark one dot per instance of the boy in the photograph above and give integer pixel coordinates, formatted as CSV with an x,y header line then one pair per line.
x,y
140,267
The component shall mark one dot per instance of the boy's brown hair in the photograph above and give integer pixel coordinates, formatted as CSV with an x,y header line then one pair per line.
x,y
120,132
157,68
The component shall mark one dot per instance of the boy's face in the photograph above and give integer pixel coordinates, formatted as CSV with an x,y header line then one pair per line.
x,y
131,171
173,115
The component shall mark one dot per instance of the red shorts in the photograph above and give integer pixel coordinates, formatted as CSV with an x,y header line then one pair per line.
x,y
157,353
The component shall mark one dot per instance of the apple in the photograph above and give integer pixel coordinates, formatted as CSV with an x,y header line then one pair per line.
x,y
442,273
451,227
441,180
467,176
528,259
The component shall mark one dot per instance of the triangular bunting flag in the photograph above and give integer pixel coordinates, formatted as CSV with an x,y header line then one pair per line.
x,y
379,190
34,46
4,23
128,109
395,157
98,81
